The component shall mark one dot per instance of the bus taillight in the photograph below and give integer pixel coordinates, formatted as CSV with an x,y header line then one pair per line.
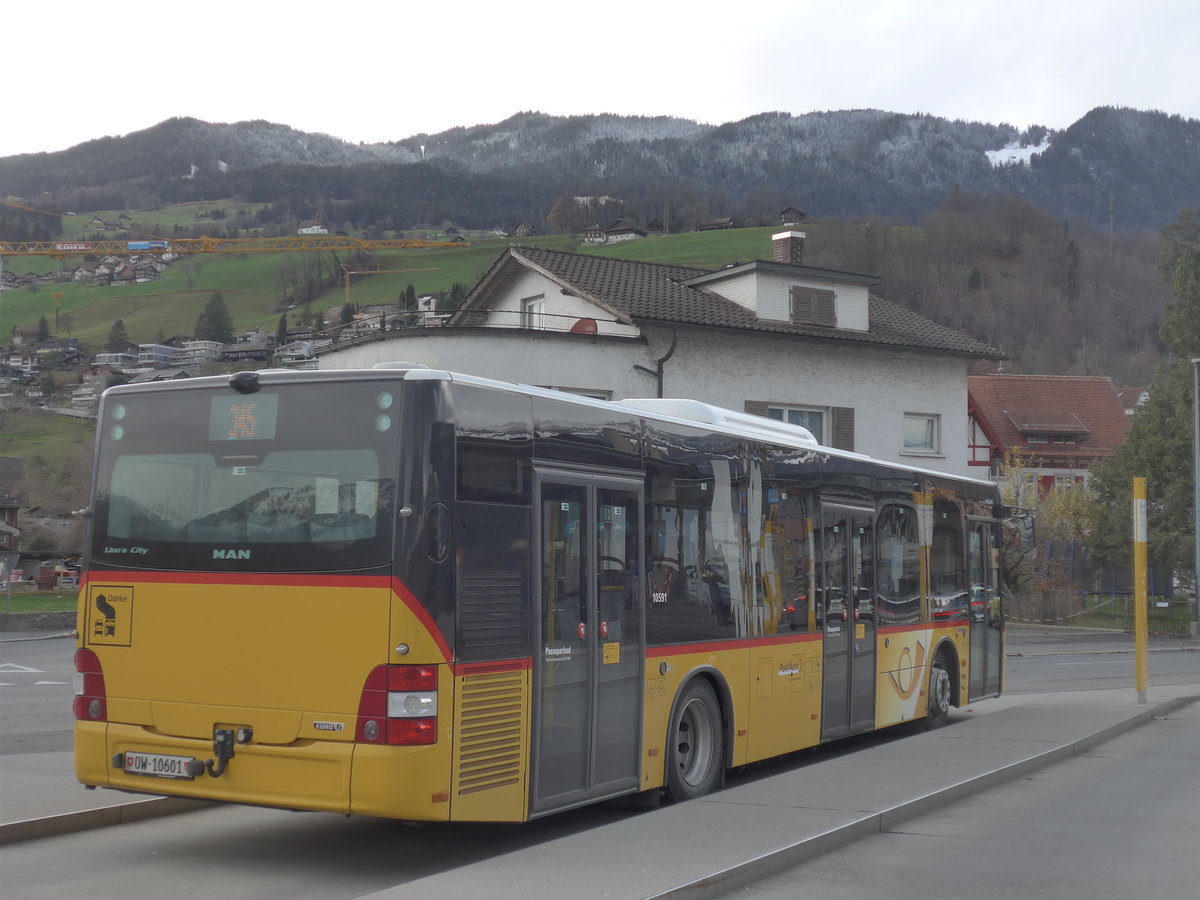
x,y
90,698
398,706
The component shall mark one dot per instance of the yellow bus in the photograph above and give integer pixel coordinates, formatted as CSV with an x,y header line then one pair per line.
x,y
410,593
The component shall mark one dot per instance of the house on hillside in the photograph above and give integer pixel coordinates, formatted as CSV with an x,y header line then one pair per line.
x,y
158,356
12,499
23,334
1133,399
65,346
254,345
715,224
773,337
169,374
792,216
624,230
523,230
1059,425
312,226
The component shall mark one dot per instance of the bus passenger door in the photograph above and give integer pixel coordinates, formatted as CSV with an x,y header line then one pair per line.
x,y
986,613
847,608
590,645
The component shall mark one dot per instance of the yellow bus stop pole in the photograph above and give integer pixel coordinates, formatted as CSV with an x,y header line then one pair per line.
x,y
1139,585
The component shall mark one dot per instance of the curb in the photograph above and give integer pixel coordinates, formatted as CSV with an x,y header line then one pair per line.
x,y
37,621
65,823
721,883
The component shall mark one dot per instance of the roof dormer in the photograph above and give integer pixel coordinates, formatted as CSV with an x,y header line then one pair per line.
x,y
783,289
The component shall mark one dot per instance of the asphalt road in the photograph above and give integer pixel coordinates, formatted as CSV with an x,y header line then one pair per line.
x,y
1101,801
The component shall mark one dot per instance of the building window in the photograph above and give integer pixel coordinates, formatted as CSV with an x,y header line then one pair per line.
x,y
920,433
832,426
813,306
533,309
811,417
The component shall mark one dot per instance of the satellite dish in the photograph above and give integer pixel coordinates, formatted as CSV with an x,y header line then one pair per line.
x,y
584,326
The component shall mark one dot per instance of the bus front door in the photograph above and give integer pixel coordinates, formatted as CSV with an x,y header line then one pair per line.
x,y
848,621
590,648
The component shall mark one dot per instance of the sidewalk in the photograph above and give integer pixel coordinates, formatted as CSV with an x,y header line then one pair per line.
x,y
710,846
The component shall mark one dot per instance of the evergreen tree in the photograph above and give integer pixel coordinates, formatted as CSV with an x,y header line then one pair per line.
x,y
347,313
281,331
215,323
43,331
118,337
1159,444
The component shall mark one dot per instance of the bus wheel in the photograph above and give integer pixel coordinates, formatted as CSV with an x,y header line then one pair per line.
x,y
695,754
939,694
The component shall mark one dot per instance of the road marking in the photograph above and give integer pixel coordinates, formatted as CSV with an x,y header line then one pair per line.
x,y
1096,662
13,667
51,682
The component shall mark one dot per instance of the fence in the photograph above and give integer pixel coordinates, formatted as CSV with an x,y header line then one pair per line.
x,y
1166,617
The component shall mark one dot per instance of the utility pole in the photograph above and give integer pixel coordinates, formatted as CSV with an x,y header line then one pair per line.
x,y
1196,489
1140,591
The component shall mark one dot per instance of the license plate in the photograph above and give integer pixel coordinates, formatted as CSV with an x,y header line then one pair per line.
x,y
157,765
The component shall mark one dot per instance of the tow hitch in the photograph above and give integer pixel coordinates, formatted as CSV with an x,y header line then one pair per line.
x,y
224,740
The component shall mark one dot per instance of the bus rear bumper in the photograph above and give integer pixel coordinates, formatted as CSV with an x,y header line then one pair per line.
x,y
319,776
309,775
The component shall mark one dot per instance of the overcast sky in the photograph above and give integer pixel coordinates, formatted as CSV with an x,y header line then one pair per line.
x,y
378,70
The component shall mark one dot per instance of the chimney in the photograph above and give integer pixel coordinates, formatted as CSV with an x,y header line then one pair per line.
x,y
788,247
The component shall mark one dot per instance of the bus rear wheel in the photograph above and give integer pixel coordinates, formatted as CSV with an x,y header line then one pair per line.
x,y
695,756
939,694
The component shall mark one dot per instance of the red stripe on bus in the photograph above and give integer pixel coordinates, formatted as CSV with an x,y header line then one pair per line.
x,y
741,644
922,626
257,579
491,668
417,609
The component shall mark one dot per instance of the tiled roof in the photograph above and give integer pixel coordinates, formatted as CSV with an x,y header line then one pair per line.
x,y
1085,408
646,292
12,482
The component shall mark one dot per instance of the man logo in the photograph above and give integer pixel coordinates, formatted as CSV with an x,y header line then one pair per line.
x,y
231,554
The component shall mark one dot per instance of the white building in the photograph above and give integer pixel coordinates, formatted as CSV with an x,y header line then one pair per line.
x,y
158,356
199,353
771,337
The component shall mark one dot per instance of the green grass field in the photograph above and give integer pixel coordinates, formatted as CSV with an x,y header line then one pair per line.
x,y
253,289
26,600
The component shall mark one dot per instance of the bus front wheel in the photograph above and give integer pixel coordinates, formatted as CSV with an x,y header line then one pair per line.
x,y
939,694
695,757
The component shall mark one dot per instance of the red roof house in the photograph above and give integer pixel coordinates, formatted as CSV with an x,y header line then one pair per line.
x,y
1060,425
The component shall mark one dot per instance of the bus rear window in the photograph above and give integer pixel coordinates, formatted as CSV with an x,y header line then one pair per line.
x,y
291,496
299,479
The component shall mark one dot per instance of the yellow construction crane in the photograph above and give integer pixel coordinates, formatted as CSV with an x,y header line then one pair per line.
x,y
293,244
150,243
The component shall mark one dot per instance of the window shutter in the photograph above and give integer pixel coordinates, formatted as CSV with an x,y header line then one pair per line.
x,y
843,427
756,408
812,306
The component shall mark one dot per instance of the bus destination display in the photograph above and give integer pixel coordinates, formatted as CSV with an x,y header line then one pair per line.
x,y
243,418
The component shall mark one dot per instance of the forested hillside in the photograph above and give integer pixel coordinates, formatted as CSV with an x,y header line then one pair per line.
x,y
1053,261
1130,167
